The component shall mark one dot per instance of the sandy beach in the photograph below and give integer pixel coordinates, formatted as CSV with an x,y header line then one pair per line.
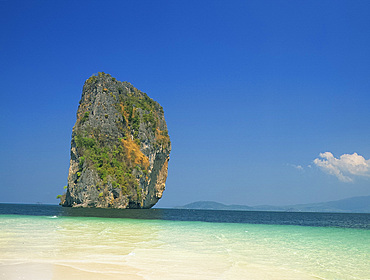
x,y
47,271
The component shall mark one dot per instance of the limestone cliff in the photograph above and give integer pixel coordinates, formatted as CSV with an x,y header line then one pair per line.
x,y
120,147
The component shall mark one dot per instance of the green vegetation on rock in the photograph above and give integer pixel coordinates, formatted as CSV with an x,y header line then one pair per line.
x,y
111,162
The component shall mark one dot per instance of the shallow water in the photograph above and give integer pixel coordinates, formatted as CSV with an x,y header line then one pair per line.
x,y
164,249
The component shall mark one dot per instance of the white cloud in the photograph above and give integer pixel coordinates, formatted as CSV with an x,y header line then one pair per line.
x,y
345,167
299,167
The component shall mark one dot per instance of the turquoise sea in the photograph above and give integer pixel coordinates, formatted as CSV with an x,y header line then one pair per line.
x,y
50,242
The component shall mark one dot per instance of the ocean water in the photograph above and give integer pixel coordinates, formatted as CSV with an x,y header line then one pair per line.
x,y
50,242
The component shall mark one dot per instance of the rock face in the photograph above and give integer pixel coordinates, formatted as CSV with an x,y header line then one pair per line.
x,y
120,148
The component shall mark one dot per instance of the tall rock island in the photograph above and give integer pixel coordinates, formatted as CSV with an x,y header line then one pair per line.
x,y
120,147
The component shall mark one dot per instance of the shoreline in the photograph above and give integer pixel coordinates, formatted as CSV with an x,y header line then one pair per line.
x,y
43,248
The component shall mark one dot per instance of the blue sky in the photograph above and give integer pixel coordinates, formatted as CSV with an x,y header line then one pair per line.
x,y
253,93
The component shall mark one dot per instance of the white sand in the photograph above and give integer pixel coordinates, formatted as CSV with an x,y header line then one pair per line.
x,y
47,271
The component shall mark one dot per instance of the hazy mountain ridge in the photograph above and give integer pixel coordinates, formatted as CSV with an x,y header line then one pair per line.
x,y
359,204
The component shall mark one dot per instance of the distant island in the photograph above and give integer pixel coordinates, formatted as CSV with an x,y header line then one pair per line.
x,y
120,147
360,204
